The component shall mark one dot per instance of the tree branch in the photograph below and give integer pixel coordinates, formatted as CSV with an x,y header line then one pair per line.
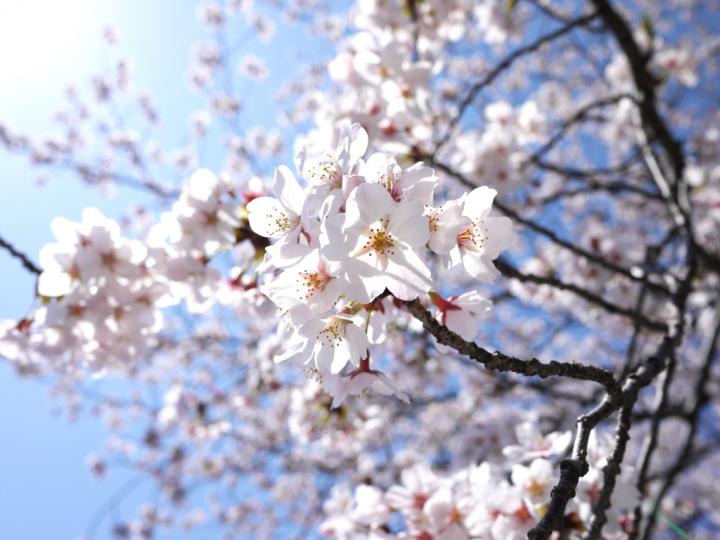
x,y
26,262
501,362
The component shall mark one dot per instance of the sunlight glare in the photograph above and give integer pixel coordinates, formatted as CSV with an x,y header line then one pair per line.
x,y
41,41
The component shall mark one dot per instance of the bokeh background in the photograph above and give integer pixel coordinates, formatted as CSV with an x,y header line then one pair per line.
x,y
46,491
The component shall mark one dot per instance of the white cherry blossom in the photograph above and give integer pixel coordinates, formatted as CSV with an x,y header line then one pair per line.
x,y
378,242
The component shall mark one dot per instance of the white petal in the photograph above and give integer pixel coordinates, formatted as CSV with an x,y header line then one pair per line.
x,y
368,203
408,225
54,284
358,142
65,231
288,190
500,236
407,275
478,202
478,266
462,323
268,218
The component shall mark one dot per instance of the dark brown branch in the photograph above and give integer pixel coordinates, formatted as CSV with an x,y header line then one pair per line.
x,y
611,470
573,468
650,442
28,264
498,361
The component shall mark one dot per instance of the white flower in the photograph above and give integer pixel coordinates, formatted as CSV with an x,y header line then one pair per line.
x,y
418,484
414,184
90,250
329,161
678,63
278,217
445,517
483,240
281,218
445,222
535,481
369,508
253,67
378,242
309,288
329,343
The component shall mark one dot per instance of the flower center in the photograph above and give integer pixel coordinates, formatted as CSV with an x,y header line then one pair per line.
x,y
433,215
536,488
282,223
312,282
473,237
379,240
333,334
392,183
327,172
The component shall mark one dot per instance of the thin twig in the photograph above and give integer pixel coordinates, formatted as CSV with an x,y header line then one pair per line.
x,y
26,262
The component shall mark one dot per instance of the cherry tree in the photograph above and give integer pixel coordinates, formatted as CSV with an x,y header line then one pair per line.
x,y
463,284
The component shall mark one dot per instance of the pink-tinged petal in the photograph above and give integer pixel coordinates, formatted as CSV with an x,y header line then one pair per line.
x,y
478,266
333,240
478,202
288,190
500,236
473,302
445,224
408,225
368,203
349,183
406,275
358,142
462,323
268,218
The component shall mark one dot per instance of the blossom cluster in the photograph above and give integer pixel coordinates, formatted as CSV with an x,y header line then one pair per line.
x,y
100,294
103,294
491,500
349,236
358,230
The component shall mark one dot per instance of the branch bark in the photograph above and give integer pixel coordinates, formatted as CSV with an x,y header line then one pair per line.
x,y
26,262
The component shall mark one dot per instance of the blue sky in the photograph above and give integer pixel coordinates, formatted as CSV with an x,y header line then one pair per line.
x,y
46,491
